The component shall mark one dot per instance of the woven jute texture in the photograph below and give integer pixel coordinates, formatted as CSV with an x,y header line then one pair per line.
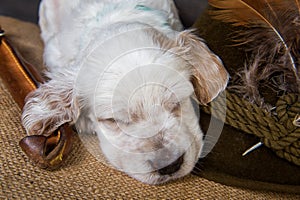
x,y
83,177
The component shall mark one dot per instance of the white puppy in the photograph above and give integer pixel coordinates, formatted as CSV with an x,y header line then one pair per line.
x,y
124,69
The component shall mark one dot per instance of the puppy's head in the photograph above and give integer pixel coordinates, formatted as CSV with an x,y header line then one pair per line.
x,y
143,106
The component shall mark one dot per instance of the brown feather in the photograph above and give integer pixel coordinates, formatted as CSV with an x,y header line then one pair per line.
x,y
272,35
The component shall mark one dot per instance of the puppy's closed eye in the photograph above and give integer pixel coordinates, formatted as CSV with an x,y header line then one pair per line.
x,y
108,120
113,121
109,123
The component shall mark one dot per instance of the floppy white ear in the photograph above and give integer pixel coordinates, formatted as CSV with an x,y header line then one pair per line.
x,y
209,77
50,106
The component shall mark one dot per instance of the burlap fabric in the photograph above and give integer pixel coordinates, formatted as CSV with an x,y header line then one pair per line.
x,y
82,176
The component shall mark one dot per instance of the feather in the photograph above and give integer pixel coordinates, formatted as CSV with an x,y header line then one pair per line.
x,y
271,32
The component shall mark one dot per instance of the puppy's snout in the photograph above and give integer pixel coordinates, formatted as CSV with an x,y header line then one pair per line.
x,y
172,168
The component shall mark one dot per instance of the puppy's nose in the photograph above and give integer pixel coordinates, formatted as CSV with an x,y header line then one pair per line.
x,y
172,168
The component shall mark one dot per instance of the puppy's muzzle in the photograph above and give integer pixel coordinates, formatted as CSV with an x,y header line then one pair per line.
x,y
172,168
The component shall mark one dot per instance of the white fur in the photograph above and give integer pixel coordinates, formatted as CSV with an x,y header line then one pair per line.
x,y
125,70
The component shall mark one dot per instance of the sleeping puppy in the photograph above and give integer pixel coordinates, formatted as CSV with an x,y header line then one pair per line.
x,y
126,71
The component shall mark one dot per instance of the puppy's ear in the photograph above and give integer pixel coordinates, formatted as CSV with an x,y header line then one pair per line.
x,y
50,106
208,75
